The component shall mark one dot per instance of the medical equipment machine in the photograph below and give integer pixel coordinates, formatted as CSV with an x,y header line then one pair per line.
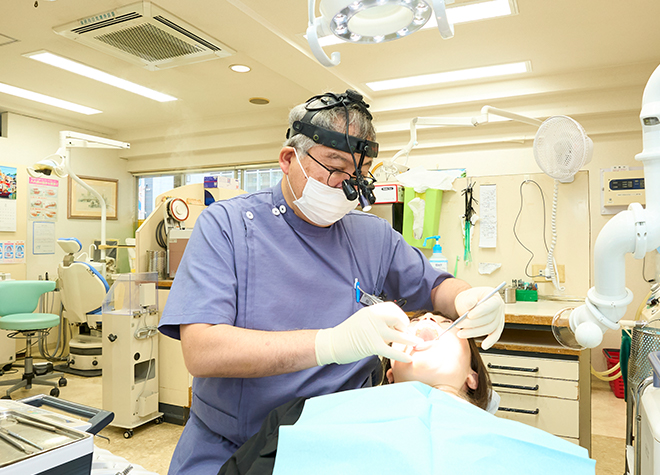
x,y
172,234
371,21
635,230
130,351
644,456
389,204
82,291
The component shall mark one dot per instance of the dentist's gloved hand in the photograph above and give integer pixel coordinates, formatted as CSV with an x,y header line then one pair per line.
x,y
367,332
486,319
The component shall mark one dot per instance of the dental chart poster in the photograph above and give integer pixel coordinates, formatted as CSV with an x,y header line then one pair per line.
x,y
7,199
12,252
43,198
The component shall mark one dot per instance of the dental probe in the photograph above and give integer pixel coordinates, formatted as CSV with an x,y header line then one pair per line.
x,y
426,344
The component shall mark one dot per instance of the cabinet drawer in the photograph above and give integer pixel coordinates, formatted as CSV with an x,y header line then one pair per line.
x,y
557,416
534,386
531,366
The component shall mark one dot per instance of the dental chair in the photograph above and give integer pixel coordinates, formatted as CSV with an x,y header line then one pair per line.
x,y
18,299
82,290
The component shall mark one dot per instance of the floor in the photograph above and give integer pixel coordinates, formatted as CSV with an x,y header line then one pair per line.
x,y
152,445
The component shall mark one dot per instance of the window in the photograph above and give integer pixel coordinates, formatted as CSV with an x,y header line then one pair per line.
x,y
255,180
199,177
149,188
249,179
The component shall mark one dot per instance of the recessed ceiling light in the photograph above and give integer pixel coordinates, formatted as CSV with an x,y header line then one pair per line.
x,y
51,101
459,14
452,76
92,73
260,101
239,68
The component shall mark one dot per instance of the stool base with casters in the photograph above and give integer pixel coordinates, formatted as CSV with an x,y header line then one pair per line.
x,y
18,299
30,375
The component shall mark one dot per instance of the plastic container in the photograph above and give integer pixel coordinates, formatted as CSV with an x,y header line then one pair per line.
x,y
612,357
438,261
433,199
523,295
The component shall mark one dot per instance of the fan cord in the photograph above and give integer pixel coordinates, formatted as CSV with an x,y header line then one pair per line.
x,y
515,223
551,263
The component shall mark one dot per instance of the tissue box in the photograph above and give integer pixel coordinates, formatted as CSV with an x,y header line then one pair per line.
x,y
433,199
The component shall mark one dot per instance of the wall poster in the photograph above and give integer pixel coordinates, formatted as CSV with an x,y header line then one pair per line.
x,y
8,190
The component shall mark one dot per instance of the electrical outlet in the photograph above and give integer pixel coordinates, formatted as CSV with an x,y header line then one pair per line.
x,y
539,269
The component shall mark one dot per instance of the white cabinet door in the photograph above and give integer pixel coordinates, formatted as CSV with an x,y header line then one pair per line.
x,y
557,416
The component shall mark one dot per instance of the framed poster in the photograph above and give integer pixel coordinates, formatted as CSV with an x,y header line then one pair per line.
x,y
84,205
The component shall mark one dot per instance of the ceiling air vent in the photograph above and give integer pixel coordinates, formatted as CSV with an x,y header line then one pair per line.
x,y
145,34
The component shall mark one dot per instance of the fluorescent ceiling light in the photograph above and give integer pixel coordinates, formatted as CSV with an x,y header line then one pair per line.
x,y
475,11
81,69
51,101
455,15
452,76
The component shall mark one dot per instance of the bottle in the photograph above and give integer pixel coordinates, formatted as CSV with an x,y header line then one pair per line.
x,y
438,260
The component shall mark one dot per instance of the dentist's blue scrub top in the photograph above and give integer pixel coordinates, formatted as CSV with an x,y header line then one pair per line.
x,y
252,263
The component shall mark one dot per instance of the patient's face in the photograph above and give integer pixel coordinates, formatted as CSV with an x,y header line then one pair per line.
x,y
445,364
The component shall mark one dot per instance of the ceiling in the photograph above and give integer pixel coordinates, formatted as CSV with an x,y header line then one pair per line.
x,y
573,46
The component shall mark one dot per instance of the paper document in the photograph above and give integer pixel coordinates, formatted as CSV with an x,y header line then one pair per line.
x,y
488,215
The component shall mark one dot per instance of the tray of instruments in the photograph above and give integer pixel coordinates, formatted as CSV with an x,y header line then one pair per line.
x,y
23,437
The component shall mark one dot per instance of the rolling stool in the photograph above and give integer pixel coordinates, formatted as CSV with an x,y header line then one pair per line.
x,y
18,299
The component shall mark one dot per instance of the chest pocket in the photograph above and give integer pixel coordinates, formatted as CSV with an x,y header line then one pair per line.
x,y
295,281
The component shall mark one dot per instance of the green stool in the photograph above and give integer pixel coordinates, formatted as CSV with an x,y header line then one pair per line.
x,y
18,299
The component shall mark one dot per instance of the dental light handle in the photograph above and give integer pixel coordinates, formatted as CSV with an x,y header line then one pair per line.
x,y
314,25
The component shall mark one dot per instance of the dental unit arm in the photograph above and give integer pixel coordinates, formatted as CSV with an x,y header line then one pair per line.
x,y
635,230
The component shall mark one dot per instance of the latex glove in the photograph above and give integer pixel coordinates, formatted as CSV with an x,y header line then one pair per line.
x,y
367,332
486,319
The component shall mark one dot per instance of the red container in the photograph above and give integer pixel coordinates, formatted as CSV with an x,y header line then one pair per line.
x,y
612,357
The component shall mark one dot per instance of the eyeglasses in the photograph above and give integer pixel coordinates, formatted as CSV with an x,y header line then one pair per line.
x,y
333,171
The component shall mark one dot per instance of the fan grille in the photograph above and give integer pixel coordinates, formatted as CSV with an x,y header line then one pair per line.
x,y
561,147
148,42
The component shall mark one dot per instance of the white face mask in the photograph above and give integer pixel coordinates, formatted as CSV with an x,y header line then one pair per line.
x,y
321,204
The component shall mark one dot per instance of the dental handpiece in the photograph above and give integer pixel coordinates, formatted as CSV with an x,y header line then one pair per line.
x,y
426,344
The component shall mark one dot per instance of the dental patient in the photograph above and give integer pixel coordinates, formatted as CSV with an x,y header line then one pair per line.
x,y
453,365
432,421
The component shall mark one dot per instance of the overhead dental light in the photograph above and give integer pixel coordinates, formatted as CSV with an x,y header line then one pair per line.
x,y
58,164
371,21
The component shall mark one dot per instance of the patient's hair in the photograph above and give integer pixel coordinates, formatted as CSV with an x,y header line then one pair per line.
x,y
480,397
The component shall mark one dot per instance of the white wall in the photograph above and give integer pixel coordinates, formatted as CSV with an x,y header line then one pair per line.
x,y
609,150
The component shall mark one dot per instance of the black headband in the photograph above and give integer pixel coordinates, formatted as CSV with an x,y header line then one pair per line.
x,y
330,138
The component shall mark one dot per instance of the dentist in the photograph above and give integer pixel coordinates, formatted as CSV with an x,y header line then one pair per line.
x,y
264,300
